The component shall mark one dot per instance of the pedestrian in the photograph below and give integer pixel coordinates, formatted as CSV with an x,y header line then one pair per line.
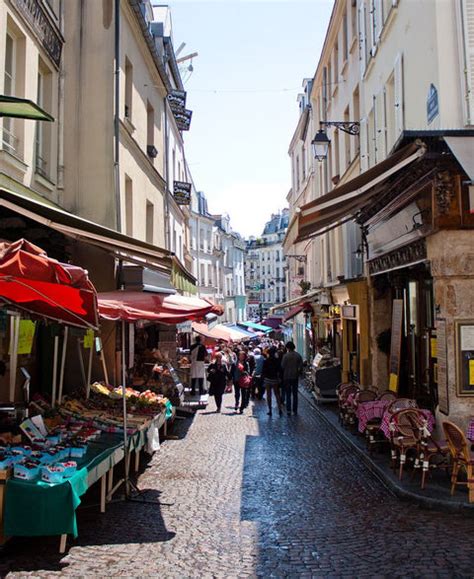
x,y
218,374
292,366
271,374
198,371
257,373
240,370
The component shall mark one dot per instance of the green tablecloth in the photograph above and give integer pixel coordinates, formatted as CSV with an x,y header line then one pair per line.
x,y
38,508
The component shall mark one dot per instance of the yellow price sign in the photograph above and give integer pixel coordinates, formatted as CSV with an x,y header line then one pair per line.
x,y
89,339
434,347
26,335
471,372
393,384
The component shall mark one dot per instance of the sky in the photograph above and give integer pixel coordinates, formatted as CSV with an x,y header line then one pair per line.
x,y
252,58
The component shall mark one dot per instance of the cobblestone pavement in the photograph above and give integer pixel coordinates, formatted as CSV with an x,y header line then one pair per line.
x,y
253,495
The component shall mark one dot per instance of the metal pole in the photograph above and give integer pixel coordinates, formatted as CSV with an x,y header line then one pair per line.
x,y
81,362
63,364
14,335
55,371
89,371
117,118
124,403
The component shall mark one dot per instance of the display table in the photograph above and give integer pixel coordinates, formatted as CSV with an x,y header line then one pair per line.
x,y
385,426
367,411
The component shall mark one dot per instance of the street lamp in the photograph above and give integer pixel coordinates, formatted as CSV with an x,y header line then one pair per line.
x,y
320,143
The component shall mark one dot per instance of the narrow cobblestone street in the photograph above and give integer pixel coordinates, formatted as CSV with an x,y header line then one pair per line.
x,y
252,495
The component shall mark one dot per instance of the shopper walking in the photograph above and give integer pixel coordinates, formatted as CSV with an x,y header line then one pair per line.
x,y
240,370
292,366
218,374
198,371
257,373
271,374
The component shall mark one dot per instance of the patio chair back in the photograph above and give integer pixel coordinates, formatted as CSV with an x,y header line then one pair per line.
x,y
408,423
365,396
457,442
401,404
387,395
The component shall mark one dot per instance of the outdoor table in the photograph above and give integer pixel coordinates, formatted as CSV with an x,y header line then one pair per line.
x,y
385,426
34,508
369,410
470,430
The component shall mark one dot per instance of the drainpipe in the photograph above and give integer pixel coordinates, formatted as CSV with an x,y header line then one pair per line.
x,y
117,118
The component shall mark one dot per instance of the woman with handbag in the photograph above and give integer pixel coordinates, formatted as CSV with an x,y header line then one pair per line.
x,y
218,375
242,382
271,375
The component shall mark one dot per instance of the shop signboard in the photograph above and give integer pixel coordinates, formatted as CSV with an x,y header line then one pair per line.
x,y
177,100
442,366
182,192
183,119
465,357
396,344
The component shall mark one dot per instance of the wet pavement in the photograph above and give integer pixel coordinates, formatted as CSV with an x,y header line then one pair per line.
x,y
253,495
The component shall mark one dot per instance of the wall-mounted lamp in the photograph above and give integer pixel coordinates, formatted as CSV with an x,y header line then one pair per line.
x,y
320,143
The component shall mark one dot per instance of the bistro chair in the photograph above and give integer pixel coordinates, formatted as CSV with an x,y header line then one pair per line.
x,y
431,449
360,397
462,457
387,395
344,392
406,433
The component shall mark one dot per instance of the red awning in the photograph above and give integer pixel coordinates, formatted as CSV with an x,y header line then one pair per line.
x,y
40,285
131,306
294,312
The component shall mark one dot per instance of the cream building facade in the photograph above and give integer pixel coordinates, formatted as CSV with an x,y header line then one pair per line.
x,y
408,89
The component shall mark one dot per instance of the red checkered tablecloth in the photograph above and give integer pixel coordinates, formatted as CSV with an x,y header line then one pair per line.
x,y
470,430
385,426
369,410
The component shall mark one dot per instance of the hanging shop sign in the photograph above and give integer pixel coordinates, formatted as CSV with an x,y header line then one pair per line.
x,y
465,357
177,100
182,192
183,119
37,19
396,344
432,104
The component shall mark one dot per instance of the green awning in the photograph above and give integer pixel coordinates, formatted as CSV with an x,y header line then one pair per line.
x,y
258,327
22,109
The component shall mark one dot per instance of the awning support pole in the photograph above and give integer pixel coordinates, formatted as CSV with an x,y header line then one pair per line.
x,y
104,365
55,371
14,336
124,401
89,371
81,362
63,363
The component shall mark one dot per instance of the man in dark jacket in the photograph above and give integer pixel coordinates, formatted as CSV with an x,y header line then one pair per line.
x,y
292,366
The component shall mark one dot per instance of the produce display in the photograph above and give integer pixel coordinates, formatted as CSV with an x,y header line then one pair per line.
x,y
135,399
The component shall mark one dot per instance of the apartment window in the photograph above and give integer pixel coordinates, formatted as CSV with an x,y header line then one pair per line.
x,y
174,242
353,20
209,242
43,130
128,206
329,81
347,141
201,239
297,171
150,129
209,274
202,280
128,89
335,68
371,138
355,141
345,39
9,140
174,165
336,156
303,163
150,216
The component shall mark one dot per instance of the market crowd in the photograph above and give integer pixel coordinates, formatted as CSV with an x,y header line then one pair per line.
x,y
271,369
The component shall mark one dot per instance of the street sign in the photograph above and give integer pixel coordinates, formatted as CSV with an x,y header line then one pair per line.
x,y
177,100
183,119
182,192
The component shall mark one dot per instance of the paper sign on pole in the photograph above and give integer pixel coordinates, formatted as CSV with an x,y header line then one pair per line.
x,y
25,337
89,339
393,384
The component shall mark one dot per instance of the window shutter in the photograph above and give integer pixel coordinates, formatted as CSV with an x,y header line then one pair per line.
x,y
468,60
398,82
380,126
362,40
364,145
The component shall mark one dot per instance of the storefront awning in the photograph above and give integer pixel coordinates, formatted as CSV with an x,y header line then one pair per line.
x,y
308,297
120,245
344,202
294,312
220,333
257,327
42,286
131,306
463,149
245,333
